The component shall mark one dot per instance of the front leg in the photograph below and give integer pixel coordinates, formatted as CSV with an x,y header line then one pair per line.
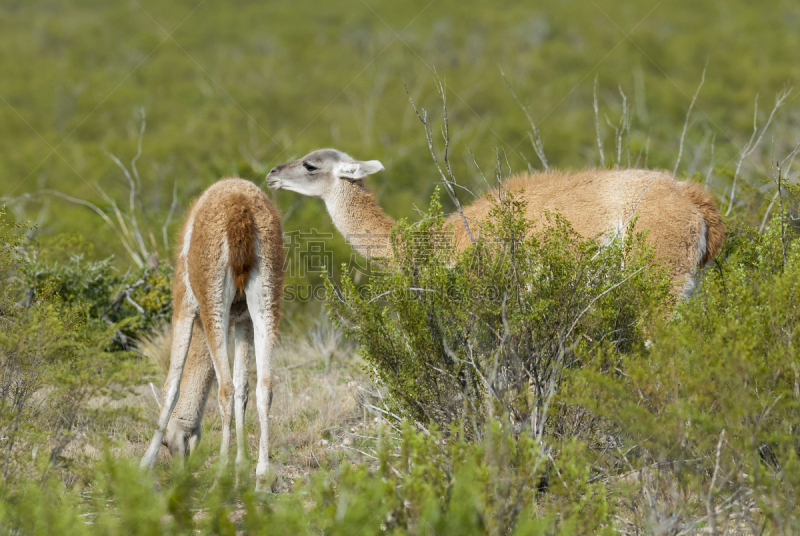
x,y
185,425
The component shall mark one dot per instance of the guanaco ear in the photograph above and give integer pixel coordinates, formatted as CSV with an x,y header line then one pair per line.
x,y
345,170
357,170
371,166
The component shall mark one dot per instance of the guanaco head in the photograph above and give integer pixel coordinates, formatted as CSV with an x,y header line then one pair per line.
x,y
318,172
181,438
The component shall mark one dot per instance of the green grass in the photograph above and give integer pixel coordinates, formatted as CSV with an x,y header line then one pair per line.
x,y
237,87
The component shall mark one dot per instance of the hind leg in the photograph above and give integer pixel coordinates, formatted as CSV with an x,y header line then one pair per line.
x,y
216,319
243,337
263,312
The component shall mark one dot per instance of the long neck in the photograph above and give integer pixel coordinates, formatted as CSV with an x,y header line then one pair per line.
x,y
356,215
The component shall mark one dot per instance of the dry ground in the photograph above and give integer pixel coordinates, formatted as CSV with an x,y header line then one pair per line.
x,y
315,419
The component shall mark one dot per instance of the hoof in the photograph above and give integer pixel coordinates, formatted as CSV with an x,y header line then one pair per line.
x,y
262,469
242,467
262,486
264,478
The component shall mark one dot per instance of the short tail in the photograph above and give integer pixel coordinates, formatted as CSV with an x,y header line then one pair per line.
x,y
241,240
715,229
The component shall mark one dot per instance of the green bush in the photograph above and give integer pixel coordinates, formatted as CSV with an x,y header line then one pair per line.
x,y
696,430
135,302
55,369
713,407
491,332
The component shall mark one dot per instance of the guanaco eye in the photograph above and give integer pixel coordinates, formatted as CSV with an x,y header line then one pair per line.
x,y
309,167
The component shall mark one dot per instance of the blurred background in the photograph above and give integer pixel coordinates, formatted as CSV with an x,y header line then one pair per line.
x,y
183,93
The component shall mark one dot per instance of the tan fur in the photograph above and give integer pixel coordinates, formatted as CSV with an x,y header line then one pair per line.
x,y
715,228
240,239
206,266
359,218
596,202
233,228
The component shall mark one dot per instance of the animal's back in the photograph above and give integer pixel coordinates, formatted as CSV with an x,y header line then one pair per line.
x,y
682,221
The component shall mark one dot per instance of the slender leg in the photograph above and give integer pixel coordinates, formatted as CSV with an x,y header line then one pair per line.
x,y
185,425
263,315
215,313
217,333
243,337
182,322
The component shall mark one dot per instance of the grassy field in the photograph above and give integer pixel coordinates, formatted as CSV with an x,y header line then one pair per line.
x,y
163,98
235,88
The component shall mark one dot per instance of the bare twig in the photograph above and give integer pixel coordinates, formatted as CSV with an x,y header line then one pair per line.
x,y
769,209
688,114
449,179
755,140
710,511
782,177
138,155
124,295
627,119
124,223
616,137
490,190
120,234
783,217
597,125
536,139
131,203
711,164
591,303
135,172
169,216
370,456
120,218
135,305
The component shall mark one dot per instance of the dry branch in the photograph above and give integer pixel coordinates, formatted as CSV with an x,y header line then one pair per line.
x,y
597,125
688,114
125,225
755,140
449,179
536,139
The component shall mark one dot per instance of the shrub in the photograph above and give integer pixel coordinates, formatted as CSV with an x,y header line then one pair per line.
x,y
492,331
135,302
419,484
712,409
697,430
54,362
